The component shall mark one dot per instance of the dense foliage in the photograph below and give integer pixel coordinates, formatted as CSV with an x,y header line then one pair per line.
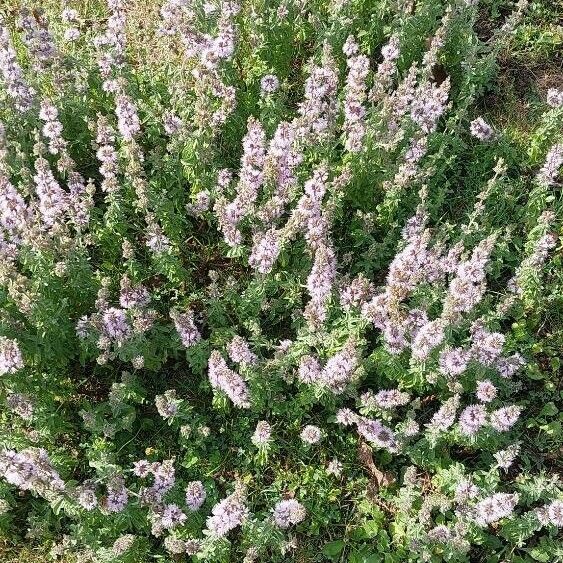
x,y
273,288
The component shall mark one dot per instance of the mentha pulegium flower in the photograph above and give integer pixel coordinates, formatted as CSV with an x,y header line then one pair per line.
x,y
269,84
228,514
225,379
262,434
481,130
185,327
10,356
311,434
486,391
288,512
195,495
239,351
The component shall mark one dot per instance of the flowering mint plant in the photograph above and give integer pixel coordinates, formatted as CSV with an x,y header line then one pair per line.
x,y
274,286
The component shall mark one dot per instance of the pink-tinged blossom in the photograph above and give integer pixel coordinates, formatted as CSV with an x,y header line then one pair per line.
x,y
265,251
142,468
14,212
318,109
319,285
354,126
411,428
486,391
52,128
555,513
346,417
395,337
554,98
386,69
86,497
508,366
117,497
505,458
228,381
494,508
547,176
172,123
339,368
307,216
468,286
311,434
334,467
429,337
429,104
465,490
309,370
282,159
167,404
81,199
38,38
472,419
115,324
10,356
486,346
503,419
164,480
122,544
377,310
128,122
167,517
240,352
107,155
481,130
20,405
391,398
53,200
30,470
227,515
178,546
133,296
453,361
251,177
69,15
445,416
269,84
202,202
377,433
12,74
440,534
288,512
185,327
262,434
356,293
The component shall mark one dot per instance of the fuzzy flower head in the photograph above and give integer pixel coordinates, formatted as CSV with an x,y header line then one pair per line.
x,y
503,419
481,130
226,515
486,391
555,513
167,404
288,512
494,508
471,419
269,84
10,356
195,495
311,434
262,434
228,381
